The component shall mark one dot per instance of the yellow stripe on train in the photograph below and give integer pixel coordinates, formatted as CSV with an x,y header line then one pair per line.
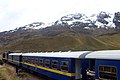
x,y
48,69
52,70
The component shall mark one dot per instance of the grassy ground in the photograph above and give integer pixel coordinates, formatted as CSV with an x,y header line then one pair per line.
x,y
64,43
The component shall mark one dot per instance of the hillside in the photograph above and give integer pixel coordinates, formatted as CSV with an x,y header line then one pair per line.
x,y
65,43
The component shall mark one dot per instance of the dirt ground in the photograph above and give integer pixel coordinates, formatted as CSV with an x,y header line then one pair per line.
x,y
7,72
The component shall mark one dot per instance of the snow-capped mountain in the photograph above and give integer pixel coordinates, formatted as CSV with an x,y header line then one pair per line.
x,y
100,20
72,24
103,19
32,26
116,20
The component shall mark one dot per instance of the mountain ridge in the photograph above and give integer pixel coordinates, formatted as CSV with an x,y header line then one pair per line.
x,y
99,20
72,28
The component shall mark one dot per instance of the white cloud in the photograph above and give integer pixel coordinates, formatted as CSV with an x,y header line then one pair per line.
x,y
16,13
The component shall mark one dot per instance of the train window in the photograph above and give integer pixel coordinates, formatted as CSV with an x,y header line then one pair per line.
x,y
29,60
41,62
54,64
26,60
108,72
107,68
113,70
47,63
36,61
10,57
101,68
33,60
64,66
16,58
23,59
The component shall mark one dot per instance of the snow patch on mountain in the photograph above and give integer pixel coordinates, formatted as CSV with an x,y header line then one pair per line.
x,y
36,25
102,19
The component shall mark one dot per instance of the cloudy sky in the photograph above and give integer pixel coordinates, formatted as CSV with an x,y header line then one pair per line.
x,y
17,13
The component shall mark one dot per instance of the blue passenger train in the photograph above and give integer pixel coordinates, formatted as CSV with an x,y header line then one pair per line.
x,y
77,65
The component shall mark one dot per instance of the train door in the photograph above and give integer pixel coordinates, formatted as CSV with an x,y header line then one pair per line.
x,y
84,66
91,70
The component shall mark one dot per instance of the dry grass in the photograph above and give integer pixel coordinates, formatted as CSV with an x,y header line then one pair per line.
x,y
65,43
7,73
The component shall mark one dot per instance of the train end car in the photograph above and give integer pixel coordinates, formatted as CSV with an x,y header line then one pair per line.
x,y
5,56
107,64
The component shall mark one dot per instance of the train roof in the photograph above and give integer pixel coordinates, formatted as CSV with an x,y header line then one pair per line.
x,y
69,54
17,54
104,54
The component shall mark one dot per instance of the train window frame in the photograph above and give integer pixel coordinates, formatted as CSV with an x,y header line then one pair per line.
x,y
54,64
62,65
41,62
108,72
47,63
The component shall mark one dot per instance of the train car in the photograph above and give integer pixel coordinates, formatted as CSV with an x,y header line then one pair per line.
x,y
15,58
58,65
5,56
107,64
